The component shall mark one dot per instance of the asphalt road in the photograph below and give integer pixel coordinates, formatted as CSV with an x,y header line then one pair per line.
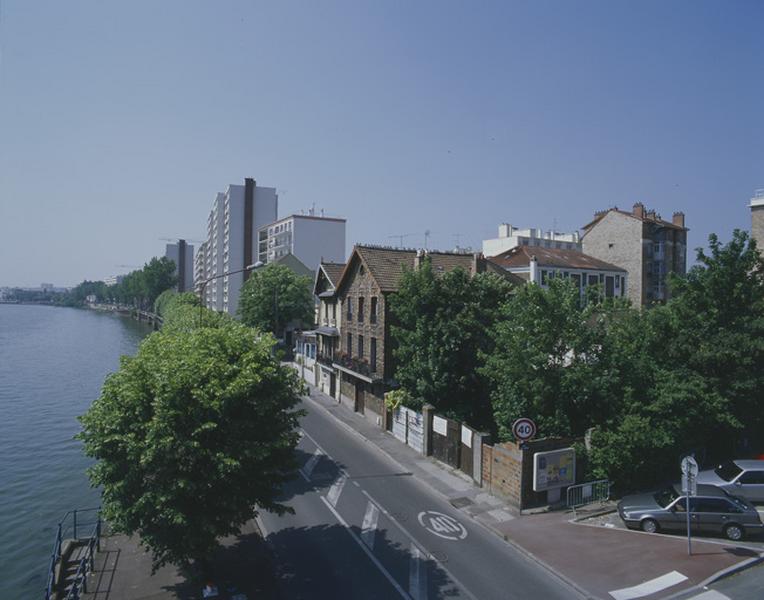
x,y
363,528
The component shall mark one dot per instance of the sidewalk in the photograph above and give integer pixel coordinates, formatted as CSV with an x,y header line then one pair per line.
x,y
605,563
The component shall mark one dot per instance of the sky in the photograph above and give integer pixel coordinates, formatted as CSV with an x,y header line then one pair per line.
x,y
119,122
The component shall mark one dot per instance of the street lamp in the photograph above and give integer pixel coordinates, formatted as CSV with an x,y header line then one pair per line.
x,y
251,267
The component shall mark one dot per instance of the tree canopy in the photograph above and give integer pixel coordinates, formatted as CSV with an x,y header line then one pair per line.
x,y
191,436
273,297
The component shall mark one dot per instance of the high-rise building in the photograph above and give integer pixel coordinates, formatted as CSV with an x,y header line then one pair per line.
x,y
309,238
182,254
236,216
200,263
512,237
641,242
757,219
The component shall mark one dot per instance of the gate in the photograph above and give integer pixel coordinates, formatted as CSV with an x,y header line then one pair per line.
x,y
465,451
446,440
399,424
415,432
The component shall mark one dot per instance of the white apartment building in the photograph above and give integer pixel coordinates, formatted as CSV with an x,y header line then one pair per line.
x,y
182,254
512,237
200,265
236,216
309,238
114,279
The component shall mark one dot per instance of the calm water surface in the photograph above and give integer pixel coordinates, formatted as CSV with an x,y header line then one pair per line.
x,y
53,362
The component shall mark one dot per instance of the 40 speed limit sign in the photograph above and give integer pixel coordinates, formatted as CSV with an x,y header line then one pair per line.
x,y
523,429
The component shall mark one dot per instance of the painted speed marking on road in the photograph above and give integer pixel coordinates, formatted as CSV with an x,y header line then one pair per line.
x,y
442,525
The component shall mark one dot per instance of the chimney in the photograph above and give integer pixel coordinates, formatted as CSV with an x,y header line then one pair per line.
x,y
650,215
418,259
678,219
534,270
638,210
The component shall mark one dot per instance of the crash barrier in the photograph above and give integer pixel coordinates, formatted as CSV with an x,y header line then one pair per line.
x,y
588,493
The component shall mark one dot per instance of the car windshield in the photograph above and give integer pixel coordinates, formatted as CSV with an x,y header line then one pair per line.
x,y
666,496
728,471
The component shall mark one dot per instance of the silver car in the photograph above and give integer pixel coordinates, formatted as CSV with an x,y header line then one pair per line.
x,y
712,511
738,477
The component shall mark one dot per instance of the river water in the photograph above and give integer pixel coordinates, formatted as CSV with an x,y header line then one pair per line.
x,y
53,362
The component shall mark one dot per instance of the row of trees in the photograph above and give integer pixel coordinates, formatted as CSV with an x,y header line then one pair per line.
x,y
646,385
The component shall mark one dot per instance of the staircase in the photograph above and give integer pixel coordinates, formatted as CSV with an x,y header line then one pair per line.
x,y
73,556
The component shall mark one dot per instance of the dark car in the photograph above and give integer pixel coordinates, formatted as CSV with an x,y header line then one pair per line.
x,y
738,477
712,511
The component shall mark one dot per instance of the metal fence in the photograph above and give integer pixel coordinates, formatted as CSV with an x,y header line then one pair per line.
x,y
588,493
70,527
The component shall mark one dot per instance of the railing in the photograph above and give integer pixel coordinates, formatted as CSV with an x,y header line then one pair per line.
x,y
587,493
358,365
71,524
86,565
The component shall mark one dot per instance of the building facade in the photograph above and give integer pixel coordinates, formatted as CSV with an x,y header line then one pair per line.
x,y
236,216
182,254
114,279
643,244
541,265
310,238
328,319
200,263
757,219
511,237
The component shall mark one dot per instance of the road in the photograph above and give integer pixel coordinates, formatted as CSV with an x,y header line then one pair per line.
x,y
363,528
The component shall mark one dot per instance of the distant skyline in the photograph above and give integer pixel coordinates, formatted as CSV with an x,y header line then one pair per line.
x,y
119,122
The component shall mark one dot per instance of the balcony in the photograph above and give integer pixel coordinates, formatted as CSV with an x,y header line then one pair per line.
x,y
356,365
325,360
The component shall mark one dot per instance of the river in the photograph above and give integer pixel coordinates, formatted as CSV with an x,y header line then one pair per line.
x,y
53,362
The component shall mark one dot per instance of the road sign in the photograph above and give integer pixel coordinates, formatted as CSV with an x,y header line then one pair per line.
x,y
689,487
689,466
523,429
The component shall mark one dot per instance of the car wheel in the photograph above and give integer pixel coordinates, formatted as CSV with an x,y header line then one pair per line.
x,y
734,532
649,526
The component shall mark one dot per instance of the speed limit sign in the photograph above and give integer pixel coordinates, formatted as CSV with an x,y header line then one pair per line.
x,y
523,429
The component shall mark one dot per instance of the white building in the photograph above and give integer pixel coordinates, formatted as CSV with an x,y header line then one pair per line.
x,y
114,279
200,263
310,238
236,216
511,237
182,254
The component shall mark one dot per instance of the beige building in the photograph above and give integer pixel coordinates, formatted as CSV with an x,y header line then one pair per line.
x,y
757,219
643,244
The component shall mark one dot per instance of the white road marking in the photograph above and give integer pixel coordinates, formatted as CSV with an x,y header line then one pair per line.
x,y
417,574
307,470
710,595
442,525
334,492
649,587
368,552
369,525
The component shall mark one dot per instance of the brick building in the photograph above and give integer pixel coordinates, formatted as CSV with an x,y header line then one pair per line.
x,y
371,276
757,219
643,244
328,319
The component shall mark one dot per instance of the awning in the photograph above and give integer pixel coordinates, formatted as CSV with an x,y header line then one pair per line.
x,y
330,331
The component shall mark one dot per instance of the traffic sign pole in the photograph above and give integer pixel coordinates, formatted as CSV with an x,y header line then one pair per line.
x,y
690,489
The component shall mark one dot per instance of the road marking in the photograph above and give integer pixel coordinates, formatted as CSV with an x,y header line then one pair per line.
x,y
442,525
336,490
417,574
368,552
710,595
307,470
649,587
369,525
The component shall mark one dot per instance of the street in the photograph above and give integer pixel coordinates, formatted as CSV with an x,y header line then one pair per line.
x,y
365,528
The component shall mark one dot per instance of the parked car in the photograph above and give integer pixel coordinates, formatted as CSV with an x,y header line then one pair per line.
x,y
738,477
712,511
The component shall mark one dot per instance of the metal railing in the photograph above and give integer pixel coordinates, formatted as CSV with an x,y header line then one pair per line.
x,y
588,493
68,529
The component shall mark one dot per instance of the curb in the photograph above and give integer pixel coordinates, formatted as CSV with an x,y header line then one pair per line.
x,y
718,576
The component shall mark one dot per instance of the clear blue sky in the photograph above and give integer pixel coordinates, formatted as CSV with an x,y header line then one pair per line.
x,y
120,121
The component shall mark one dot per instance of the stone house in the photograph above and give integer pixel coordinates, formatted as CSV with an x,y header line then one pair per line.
x,y
757,219
328,319
364,362
643,244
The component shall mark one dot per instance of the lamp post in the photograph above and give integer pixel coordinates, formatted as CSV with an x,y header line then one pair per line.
x,y
251,267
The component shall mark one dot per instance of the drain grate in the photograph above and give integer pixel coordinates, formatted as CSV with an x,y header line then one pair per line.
x,y
460,502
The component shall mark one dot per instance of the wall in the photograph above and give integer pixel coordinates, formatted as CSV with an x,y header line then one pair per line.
x,y
757,226
315,238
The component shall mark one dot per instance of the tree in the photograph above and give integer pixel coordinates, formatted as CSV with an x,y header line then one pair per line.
x,y
191,437
440,339
273,297
158,276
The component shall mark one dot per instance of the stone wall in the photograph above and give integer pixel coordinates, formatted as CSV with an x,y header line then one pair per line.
x,y
757,226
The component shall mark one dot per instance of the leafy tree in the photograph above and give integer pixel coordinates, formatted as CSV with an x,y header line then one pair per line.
x,y
158,276
440,338
273,297
169,300
191,437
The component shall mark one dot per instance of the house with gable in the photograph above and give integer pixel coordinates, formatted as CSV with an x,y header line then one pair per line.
x,y
328,326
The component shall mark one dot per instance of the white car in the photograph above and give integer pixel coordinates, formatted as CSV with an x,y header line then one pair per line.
x,y
738,477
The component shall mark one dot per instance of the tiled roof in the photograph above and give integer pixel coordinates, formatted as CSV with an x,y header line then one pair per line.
x,y
647,218
386,265
333,271
520,256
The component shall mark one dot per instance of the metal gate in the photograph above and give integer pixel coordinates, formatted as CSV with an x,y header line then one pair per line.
x,y
415,430
399,424
465,451
446,440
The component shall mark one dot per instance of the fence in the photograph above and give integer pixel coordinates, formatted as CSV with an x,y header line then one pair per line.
x,y
588,493
446,440
408,427
71,525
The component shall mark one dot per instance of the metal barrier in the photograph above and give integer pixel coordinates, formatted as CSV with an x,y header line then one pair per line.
x,y
587,493
71,524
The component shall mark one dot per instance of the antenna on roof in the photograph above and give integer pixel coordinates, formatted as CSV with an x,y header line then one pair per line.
x,y
400,237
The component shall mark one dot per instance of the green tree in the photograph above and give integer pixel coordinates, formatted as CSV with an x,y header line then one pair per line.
x,y
440,339
191,437
273,297
158,276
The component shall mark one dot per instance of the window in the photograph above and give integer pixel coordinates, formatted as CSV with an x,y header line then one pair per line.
x,y
360,346
360,309
752,477
623,285
609,282
373,355
543,277
593,280
334,310
713,505
576,278
350,308
349,348
728,471
373,311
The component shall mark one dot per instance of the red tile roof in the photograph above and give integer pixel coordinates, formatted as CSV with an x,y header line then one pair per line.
x,y
649,217
520,256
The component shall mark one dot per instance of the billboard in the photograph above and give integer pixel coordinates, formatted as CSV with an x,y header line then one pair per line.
x,y
554,469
